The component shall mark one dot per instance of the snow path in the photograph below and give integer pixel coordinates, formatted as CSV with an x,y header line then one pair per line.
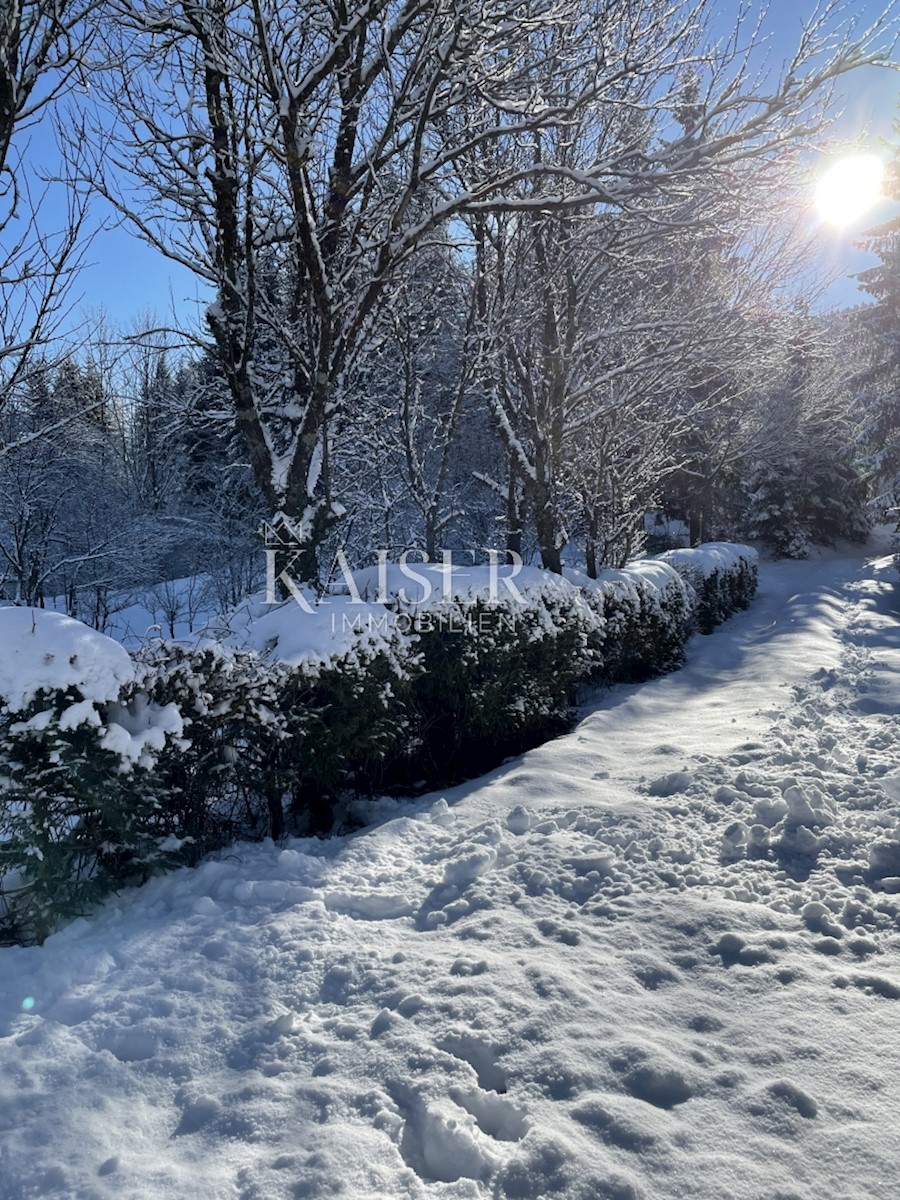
x,y
656,958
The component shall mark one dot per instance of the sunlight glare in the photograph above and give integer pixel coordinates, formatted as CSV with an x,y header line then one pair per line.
x,y
849,188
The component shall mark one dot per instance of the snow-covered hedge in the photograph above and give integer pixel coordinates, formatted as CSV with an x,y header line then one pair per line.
x,y
271,743
494,657
217,782
723,575
646,612
80,812
112,767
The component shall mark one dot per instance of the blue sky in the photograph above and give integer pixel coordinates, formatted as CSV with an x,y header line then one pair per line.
x,y
867,102
127,278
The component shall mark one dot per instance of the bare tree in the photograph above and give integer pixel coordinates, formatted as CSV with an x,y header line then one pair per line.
x,y
413,395
615,332
296,157
43,44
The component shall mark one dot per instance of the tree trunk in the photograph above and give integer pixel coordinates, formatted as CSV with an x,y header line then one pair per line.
x,y
515,517
590,548
548,537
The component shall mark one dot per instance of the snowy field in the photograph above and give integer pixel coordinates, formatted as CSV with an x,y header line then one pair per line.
x,y
658,957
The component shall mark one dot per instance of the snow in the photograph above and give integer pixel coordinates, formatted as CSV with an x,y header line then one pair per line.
x,y
677,531
654,575
359,620
48,651
658,575
174,607
656,958
712,556
305,637
40,649
138,731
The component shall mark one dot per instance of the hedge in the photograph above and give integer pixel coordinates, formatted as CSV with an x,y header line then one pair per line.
x,y
115,768
723,575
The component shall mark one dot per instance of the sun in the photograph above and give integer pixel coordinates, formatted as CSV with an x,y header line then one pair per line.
x,y
849,188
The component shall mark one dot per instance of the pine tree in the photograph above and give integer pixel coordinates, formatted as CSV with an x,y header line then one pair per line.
x,y
804,485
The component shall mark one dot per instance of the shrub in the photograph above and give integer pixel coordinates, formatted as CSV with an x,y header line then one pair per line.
x,y
347,720
646,611
220,783
495,669
723,575
80,813
270,745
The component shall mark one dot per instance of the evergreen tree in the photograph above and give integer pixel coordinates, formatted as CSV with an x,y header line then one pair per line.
x,y
804,485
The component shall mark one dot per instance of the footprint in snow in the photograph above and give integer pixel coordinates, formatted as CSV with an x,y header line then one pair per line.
x,y
872,985
440,1140
481,1057
653,1078
131,1045
197,1112
653,975
658,1084
776,1097
369,907
614,1123
559,932
547,1167
671,784
494,1116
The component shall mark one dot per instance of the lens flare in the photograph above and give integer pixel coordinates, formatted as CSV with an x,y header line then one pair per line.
x,y
28,1003
849,188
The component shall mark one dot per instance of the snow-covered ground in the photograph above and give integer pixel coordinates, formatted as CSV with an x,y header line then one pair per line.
x,y
658,957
